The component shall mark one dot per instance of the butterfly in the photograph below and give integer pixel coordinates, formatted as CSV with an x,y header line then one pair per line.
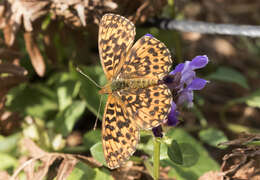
x,y
137,98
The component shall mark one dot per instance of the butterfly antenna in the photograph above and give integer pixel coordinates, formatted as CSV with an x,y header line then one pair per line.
x,y
88,77
100,102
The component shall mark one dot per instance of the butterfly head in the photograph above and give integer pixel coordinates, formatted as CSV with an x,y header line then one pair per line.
x,y
106,89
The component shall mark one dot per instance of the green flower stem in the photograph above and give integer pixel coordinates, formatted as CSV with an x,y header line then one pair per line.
x,y
156,158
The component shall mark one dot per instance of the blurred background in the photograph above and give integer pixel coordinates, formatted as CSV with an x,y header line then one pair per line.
x,y
46,106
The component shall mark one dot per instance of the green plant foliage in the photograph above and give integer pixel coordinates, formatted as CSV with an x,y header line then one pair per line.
x,y
204,161
82,171
37,100
229,75
90,92
182,154
7,161
97,153
91,137
212,136
9,143
174,153
102,174
66,119
254,99
66,87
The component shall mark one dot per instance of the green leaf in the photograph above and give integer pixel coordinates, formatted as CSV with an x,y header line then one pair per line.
x,y
254,99
8,144
81,172
229,75
174,153
65,93
91,137
67,118
204,163
102,174
90,92
7,161
147,145
212,136
66,86
46,22
190,154
35,100
97,153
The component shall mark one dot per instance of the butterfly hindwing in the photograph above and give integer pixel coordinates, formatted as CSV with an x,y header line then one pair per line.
x,y
148,107
119,134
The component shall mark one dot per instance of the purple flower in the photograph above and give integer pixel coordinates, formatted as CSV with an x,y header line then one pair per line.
x,y
149,35
172,118
188,80
183,81
157,131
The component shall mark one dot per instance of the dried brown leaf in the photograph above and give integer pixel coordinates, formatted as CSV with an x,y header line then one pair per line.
x,y
89,160
35,54
9,121
129,171
249,170
4,175
66,167
212,176
29,170
2,19
244,138
38,154
47,159
44,168
33,149
80,10
15,12
9,33
242,163
9,54
11,81
13,69
224,47
28,11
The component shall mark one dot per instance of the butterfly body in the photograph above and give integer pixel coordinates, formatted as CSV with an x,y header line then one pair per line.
x,y
137,99
121,84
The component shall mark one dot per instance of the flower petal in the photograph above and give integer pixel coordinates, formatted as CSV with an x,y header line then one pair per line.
x,y
186,97
178,68
197,84
148,35
187,77
199,62
172,116
157,131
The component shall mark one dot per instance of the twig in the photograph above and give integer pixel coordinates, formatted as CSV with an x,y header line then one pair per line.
x,y
25,164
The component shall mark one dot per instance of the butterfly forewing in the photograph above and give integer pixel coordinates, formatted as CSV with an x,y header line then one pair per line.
x,y
148,58
116,36
120,135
